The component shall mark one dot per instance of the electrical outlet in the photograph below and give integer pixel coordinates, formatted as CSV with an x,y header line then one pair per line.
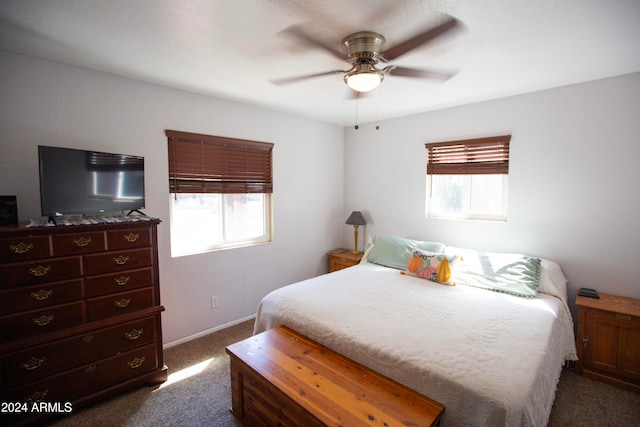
x,y
215,302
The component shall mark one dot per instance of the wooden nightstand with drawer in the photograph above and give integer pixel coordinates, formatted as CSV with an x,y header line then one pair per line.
x,y
343,258
608,340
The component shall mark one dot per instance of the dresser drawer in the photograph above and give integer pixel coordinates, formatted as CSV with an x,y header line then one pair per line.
x,y
130,238
78,243
41,321
85,380
122,367
118,304
109,283
24,248
41,271
40,296
117,261
340,263
38,362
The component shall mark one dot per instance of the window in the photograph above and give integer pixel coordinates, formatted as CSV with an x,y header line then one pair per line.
x,y
220,192
468,179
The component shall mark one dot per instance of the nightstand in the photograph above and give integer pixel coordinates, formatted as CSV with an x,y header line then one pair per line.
x,y
608,340
343,258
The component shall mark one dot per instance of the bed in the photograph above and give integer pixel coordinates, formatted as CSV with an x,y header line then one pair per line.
x,y
491,357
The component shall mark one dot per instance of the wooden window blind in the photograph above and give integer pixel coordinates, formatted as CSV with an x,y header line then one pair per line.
x,y
469,157
213,164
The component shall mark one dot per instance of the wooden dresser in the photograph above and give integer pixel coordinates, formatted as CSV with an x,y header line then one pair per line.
x,y
79,315
608,340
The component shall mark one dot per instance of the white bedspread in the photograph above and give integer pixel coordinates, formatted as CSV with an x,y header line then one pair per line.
x,y
492,359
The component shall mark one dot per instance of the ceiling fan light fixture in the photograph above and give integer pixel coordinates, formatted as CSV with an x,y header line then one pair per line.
x,y
363,81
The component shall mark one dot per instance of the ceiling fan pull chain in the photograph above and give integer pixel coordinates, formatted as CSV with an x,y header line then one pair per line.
x,y
357,96
377,116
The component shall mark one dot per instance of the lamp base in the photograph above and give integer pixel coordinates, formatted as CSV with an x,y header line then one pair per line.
x,y
355,239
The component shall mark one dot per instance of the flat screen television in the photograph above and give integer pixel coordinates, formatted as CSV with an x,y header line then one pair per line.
x,y
80,181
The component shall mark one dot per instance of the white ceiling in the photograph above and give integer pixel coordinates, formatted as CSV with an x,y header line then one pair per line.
x,y
231,48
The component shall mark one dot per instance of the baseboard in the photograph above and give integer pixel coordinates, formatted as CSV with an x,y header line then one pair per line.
x,y
206,332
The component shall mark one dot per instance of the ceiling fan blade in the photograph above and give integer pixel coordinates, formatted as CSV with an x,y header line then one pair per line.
x,y
297,31
287,80
419,39
415,72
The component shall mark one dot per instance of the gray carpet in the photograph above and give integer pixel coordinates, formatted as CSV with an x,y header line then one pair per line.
x,y
204,398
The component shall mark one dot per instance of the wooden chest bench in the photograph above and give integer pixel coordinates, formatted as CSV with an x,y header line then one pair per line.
x,y
281,378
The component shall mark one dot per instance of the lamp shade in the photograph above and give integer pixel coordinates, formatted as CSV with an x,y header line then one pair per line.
x,y
363,77
363,81
356,218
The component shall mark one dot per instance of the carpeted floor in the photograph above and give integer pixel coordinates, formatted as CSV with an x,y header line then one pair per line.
x,y
198,393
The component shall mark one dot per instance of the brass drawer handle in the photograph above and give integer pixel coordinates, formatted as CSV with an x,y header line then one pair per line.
x,y
131,237
41,295
37,396
134,334
33,363
122,302
21,248
82,241
43,320
40,270
90,369
136,363
623,316
122,280
121,260
87,338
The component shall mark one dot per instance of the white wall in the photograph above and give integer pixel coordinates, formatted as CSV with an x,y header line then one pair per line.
x,y
45,103
563,205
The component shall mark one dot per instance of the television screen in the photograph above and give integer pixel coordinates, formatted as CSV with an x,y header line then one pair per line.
x,y
79,181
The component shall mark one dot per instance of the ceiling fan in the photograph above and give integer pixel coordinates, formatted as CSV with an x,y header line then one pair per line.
x,y
364,49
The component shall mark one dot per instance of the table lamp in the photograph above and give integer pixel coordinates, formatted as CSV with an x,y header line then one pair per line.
x,y
356,219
